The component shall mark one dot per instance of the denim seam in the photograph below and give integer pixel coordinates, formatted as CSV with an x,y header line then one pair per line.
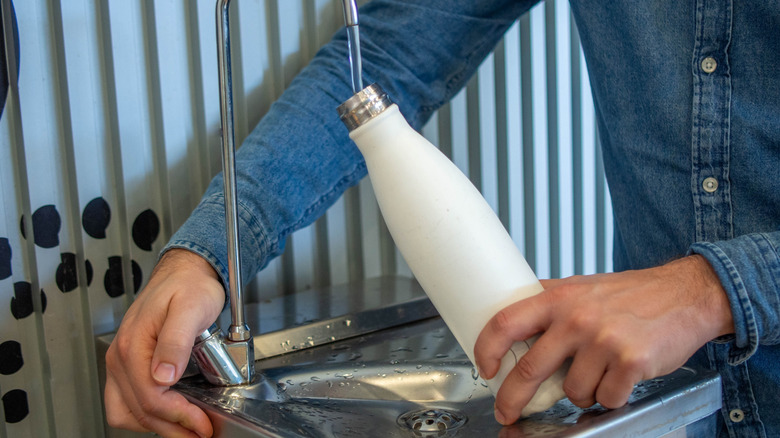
x,y
750,397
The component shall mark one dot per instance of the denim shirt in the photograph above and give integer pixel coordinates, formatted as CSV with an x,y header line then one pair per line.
x,y
687,101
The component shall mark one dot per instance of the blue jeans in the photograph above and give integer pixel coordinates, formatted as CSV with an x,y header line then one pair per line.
x,y
687,101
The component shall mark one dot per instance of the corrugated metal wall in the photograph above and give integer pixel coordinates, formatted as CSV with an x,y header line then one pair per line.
x,y
111,136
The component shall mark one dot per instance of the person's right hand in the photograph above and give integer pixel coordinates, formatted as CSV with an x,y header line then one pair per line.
x,y
152,348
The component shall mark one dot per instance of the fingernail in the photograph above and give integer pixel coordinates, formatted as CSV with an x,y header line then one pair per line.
x,y
499,416
165,373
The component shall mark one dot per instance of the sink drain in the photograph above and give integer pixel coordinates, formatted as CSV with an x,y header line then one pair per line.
x,y
432,422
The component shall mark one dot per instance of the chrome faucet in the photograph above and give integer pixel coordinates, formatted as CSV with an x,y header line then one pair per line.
x,y
227,360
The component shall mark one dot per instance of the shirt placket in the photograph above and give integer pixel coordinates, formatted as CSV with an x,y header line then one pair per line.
x,y
711,187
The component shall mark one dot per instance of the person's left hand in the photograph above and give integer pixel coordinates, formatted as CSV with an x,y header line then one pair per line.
x,y
619,329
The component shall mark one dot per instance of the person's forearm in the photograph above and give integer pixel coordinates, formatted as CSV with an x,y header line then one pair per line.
x,y
299,159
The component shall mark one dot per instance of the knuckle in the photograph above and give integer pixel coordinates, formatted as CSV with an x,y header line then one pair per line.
x,y
612,400
145,421
575,394
123,346
149,408
502,321
610,339
635,360
563,292
111,361
526,369
113,418
582,322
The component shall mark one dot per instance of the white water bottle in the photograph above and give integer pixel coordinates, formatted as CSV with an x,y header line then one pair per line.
x,y
449,236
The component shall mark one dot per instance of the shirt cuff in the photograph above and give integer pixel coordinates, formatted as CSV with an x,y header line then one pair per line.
x,y
204,233
749,271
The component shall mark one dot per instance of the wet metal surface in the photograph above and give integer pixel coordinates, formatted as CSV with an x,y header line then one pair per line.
x,y
375,384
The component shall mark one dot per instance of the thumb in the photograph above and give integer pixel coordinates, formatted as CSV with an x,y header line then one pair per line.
x,y
175,341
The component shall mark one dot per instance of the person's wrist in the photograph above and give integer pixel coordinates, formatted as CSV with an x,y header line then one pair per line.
x,y
716,300
181,260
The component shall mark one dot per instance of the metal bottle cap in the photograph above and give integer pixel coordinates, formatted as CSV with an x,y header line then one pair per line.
x,y
364,106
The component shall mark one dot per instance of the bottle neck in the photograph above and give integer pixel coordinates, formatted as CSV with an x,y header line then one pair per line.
x,y
364,106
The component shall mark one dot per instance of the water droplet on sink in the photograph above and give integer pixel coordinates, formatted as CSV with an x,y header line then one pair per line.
x,y
419,367
398,371
355,356
347,322
442,356
315,379
395,362
474,373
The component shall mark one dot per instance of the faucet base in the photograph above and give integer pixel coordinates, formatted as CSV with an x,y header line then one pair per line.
x,y
223,362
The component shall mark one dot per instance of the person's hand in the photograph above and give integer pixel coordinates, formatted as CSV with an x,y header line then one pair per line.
x,y
152,348
619,329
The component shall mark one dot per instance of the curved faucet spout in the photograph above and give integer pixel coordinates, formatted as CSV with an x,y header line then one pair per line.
x,y
230,360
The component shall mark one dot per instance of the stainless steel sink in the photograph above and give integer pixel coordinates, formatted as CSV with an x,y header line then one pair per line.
x,y
374,359
414,380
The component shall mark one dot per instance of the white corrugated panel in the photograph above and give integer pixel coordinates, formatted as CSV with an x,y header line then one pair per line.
x,y
111,136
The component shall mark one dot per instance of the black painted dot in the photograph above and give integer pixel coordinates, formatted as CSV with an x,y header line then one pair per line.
x,y
90,272
46,226
15,405
5,258
112,281
66,276
11,359
137,275
95,218
145,229
21,302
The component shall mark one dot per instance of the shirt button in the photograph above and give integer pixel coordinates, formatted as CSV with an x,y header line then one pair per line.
x,y
736,415
709,64
710,184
